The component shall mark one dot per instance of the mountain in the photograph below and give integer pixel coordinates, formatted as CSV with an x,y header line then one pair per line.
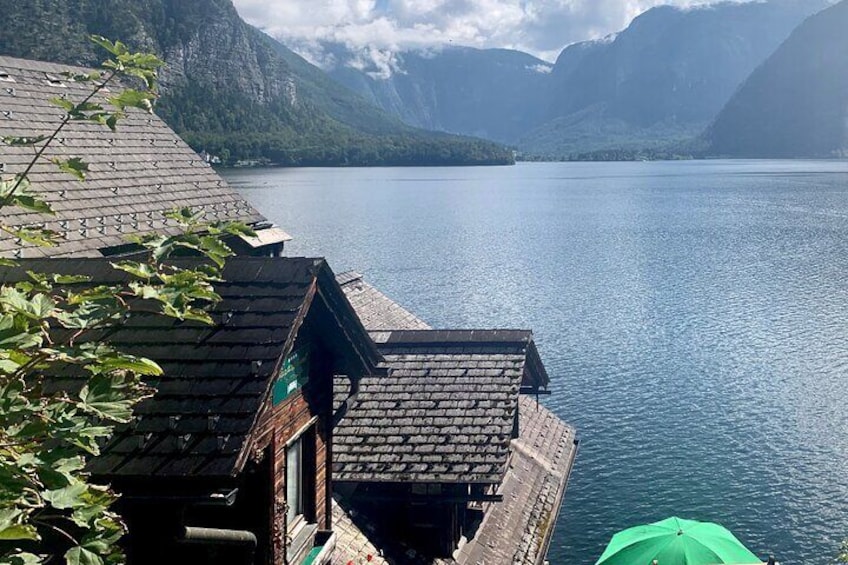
x,y
663,79
796,103
490,93
230,89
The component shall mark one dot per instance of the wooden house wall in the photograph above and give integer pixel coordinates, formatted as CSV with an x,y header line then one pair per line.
x,y
277,425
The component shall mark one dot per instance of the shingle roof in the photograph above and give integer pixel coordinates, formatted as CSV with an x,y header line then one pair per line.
x,y
216,378
445,413
517,530
136,173
375,309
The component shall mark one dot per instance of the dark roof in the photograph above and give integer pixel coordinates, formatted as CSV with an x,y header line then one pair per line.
x,y
136,173
198,422
445,412
376,310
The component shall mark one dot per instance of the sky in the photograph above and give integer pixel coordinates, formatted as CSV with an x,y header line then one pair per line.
x,y
539,27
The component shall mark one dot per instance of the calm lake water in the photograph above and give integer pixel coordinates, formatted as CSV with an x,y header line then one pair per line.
x,y
693,317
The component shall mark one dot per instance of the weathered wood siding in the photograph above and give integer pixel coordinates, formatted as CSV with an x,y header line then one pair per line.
x,y
277,425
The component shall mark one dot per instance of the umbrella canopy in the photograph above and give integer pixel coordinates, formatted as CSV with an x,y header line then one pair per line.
x,y
675,541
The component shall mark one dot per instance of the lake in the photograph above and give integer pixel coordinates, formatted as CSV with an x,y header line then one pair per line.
x,y
693,317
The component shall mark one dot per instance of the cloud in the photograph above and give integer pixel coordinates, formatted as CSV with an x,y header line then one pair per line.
x,y
382,27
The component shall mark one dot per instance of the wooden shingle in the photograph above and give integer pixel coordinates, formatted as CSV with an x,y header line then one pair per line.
x,y
137,173
444,414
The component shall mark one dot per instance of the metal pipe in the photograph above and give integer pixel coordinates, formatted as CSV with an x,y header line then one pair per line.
x,y
194,534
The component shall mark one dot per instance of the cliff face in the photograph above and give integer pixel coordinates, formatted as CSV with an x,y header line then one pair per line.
x,y
796,103
218,49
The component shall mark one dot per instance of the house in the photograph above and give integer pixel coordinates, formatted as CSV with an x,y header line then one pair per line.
x,y
430,437
136,173
229,460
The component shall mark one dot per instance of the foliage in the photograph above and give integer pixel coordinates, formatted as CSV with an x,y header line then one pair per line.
x,y
63,389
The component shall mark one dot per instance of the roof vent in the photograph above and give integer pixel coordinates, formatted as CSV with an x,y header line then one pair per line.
x,y
182,441
11,91
2,167
6,77
53,80
7,114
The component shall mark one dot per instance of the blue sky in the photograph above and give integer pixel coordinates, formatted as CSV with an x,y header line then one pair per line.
x,y
540,27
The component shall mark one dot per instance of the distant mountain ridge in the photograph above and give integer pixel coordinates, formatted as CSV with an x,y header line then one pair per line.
x,y
656,85
492,93
661,80
796,103
231,89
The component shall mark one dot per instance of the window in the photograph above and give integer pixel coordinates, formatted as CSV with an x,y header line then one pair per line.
x,y
300,479
294,481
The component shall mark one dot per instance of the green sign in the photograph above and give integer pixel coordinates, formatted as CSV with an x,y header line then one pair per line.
x,y
293,375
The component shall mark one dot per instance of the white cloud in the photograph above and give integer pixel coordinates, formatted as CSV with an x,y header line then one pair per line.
x,y
377,28
541,27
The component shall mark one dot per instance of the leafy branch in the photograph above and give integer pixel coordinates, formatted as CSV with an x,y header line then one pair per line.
x,y
63,387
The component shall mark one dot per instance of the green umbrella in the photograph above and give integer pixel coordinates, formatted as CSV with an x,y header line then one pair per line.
x,y
674,541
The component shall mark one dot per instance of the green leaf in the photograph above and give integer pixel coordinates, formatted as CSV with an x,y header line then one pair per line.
x,y
24,141
81,556
71,279
238,228
185,216
73,166
36,236
82,77
116,48
67,497
19,532
12,528
140,270
24,558
137,365
32,204
106,396
35,307
64,104
133,99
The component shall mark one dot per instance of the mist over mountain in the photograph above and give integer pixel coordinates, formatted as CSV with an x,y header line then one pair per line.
x,y
796,103
229,88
